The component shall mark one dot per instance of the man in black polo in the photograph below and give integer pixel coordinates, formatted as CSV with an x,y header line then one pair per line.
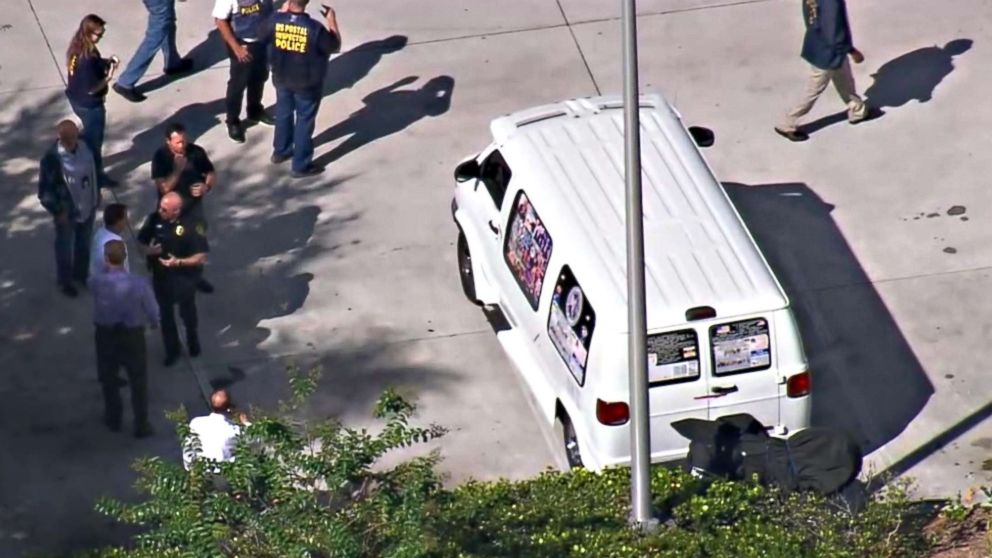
x,y
183,167
177,248
238,22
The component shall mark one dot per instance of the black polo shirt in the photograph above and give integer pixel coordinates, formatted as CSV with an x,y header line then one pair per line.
x,y
181,238
198,165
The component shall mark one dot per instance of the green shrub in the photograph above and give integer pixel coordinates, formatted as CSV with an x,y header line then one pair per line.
x,y
309,490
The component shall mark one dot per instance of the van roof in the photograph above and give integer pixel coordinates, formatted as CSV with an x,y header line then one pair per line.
x,y
697,251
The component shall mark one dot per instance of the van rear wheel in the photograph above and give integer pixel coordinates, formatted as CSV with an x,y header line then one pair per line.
x,y
465,272
571,442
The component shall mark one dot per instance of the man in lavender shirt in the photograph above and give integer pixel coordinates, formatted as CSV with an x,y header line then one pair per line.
x,y
123,304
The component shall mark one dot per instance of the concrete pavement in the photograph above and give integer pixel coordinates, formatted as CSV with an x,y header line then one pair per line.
x,y
355,270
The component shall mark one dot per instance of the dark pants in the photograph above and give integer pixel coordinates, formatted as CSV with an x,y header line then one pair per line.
x,y
94,121
72,250
170,292
122,347
160,35
296,115
250,76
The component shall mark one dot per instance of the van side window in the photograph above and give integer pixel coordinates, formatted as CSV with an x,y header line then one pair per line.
x,y
571,322
495,174
527,249
673,357
743,346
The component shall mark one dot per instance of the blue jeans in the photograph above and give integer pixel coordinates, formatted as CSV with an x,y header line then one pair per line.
x,y
296,115
94,123
160,35
72,250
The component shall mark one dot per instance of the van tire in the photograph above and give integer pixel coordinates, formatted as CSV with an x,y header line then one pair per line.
x,y
570,441
465,271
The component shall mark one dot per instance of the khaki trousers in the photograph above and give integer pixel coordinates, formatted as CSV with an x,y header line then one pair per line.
x,y
817,82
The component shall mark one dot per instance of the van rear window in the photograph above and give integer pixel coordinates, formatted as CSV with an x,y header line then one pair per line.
x,y
571,323
673,357
743,346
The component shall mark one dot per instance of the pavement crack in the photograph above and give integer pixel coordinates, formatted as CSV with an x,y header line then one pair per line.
x,y
578,47
58,69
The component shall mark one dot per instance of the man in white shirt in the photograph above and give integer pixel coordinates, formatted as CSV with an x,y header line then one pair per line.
x,y
238,22
216,432
114,223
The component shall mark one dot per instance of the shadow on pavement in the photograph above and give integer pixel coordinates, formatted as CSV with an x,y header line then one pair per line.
x,y
911,76
866,379
387,110
208,52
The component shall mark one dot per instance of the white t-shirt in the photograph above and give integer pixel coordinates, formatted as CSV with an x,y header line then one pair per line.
x,y
224,9
216,434
100,239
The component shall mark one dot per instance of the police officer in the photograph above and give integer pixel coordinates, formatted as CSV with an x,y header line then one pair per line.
x,y
177,249
300,49
238,22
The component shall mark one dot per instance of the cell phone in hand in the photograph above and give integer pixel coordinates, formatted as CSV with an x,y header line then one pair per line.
x,y
324,9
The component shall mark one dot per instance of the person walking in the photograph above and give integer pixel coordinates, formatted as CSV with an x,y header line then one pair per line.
x,y
114,223
123,306
238,22
827,46
89,74
183,167
300,49
67,189
216,433
160,35
176,247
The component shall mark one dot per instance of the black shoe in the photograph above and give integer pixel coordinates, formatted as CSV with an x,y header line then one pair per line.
x,y
871,114
184,66
69,290
170,360
204,286
143,431
193,346
794,135
279,159
263,118
129,93
236,132
106,182
310,170
112,425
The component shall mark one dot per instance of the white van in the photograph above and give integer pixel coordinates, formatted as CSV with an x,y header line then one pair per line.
x,y
541,220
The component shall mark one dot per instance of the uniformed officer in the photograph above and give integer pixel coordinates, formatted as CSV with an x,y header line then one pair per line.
x,y
300,49
176,249
238,22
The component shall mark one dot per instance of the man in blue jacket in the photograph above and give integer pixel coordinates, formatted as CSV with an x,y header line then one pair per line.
x,y
827,46
68,190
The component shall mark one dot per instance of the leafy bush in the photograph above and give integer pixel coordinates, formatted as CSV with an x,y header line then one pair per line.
x,y
299,489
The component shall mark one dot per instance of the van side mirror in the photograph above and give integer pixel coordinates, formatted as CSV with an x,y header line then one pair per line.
x,y
468,170
703,137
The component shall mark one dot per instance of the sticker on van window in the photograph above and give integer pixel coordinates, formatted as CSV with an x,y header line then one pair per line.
x,y
571,323
528,249
673,356
741,347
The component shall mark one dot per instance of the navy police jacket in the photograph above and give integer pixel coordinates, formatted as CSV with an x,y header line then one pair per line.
x,y
250,15
301,46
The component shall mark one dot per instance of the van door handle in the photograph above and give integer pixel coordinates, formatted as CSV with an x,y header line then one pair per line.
x,y
493,227
723,390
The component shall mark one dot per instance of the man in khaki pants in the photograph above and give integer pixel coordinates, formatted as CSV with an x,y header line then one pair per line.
x,y
827,46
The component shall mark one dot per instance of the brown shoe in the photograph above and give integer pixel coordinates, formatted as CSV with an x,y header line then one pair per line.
x,y
794,135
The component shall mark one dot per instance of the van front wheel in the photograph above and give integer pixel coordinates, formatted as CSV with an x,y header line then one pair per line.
x,y
465,272
571,442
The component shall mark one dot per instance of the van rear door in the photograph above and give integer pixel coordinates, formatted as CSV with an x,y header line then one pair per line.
x,y
677,388
741,371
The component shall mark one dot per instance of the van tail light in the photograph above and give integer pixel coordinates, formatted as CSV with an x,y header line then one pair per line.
x,y
612,414
798,385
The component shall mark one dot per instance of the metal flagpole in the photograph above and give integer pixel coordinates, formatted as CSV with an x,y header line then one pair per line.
x,y
640,440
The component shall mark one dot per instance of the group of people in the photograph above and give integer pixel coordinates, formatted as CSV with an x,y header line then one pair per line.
x,y
173,239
